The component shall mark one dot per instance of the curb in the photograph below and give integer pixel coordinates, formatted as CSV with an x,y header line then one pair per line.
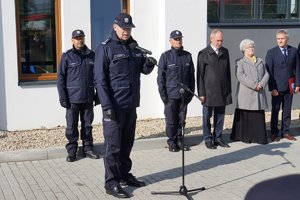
x,y
60,152
140,144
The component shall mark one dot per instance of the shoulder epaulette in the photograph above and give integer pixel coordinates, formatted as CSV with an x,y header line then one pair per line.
x,y
106,41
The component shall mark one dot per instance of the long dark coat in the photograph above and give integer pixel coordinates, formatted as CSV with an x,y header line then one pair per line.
x,y
213,76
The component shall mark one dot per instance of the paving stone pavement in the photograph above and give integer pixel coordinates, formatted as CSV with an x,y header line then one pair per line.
x,y
226,173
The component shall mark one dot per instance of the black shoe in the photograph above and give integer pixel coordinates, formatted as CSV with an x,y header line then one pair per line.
x,y
221,143
210,145
116,191
132,181
179,144
91,154
173,147
71,157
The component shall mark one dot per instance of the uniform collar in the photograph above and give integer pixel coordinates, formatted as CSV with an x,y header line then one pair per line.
x,y
84,51
115,37
174,50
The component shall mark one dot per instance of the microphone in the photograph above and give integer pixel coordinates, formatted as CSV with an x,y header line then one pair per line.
x,y
135,46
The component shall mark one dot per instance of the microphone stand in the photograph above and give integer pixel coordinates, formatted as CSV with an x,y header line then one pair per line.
x,y
182,189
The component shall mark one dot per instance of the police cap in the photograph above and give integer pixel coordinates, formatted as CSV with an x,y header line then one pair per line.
x,y
77,33
175,34
124,20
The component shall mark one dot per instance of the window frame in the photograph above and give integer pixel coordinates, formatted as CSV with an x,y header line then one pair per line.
x,y
125,6
221,21
44,76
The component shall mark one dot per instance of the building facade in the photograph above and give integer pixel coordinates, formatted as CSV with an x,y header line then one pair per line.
x,y
34,33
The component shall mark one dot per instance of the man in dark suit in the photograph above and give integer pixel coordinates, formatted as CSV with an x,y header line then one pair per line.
x,y
214,87
282,62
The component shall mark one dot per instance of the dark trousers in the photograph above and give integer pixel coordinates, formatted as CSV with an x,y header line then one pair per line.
x,y
219,114
86,114
285,99
119,138
175,115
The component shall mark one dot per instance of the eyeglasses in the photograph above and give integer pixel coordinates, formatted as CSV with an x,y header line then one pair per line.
x,y
250,47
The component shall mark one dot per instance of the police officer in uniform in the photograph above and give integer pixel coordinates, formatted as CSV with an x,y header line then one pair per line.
x,y
118,67
176,67
76,93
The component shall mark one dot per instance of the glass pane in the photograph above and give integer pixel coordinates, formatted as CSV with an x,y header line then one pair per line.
x,y
213,10
273,9
37,36
294,9
239,9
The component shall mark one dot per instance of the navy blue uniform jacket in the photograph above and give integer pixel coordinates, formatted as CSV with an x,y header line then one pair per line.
x,y
75,81
117,73
175,66
281,69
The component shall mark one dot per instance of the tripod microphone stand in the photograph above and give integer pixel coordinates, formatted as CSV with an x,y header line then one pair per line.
x,y
182,189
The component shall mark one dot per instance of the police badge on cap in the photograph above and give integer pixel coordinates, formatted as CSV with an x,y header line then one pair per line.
x,y
124,20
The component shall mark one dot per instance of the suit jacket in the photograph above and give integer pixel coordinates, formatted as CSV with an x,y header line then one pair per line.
x,y
213,76
281,69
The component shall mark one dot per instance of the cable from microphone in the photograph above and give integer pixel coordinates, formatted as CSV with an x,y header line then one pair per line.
x,y
134,45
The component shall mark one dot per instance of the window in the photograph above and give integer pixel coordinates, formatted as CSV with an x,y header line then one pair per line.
x,y
253,11
37,33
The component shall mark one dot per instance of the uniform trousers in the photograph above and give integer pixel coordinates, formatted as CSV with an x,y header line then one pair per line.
x,y
218,122
119,138
86,114
285,99
175,115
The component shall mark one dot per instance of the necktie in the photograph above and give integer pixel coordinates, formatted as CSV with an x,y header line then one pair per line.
x,y
284,53
217,51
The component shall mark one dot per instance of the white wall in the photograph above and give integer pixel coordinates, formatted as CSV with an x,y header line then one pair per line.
x,y
75,15
154,21
3,120
148,18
